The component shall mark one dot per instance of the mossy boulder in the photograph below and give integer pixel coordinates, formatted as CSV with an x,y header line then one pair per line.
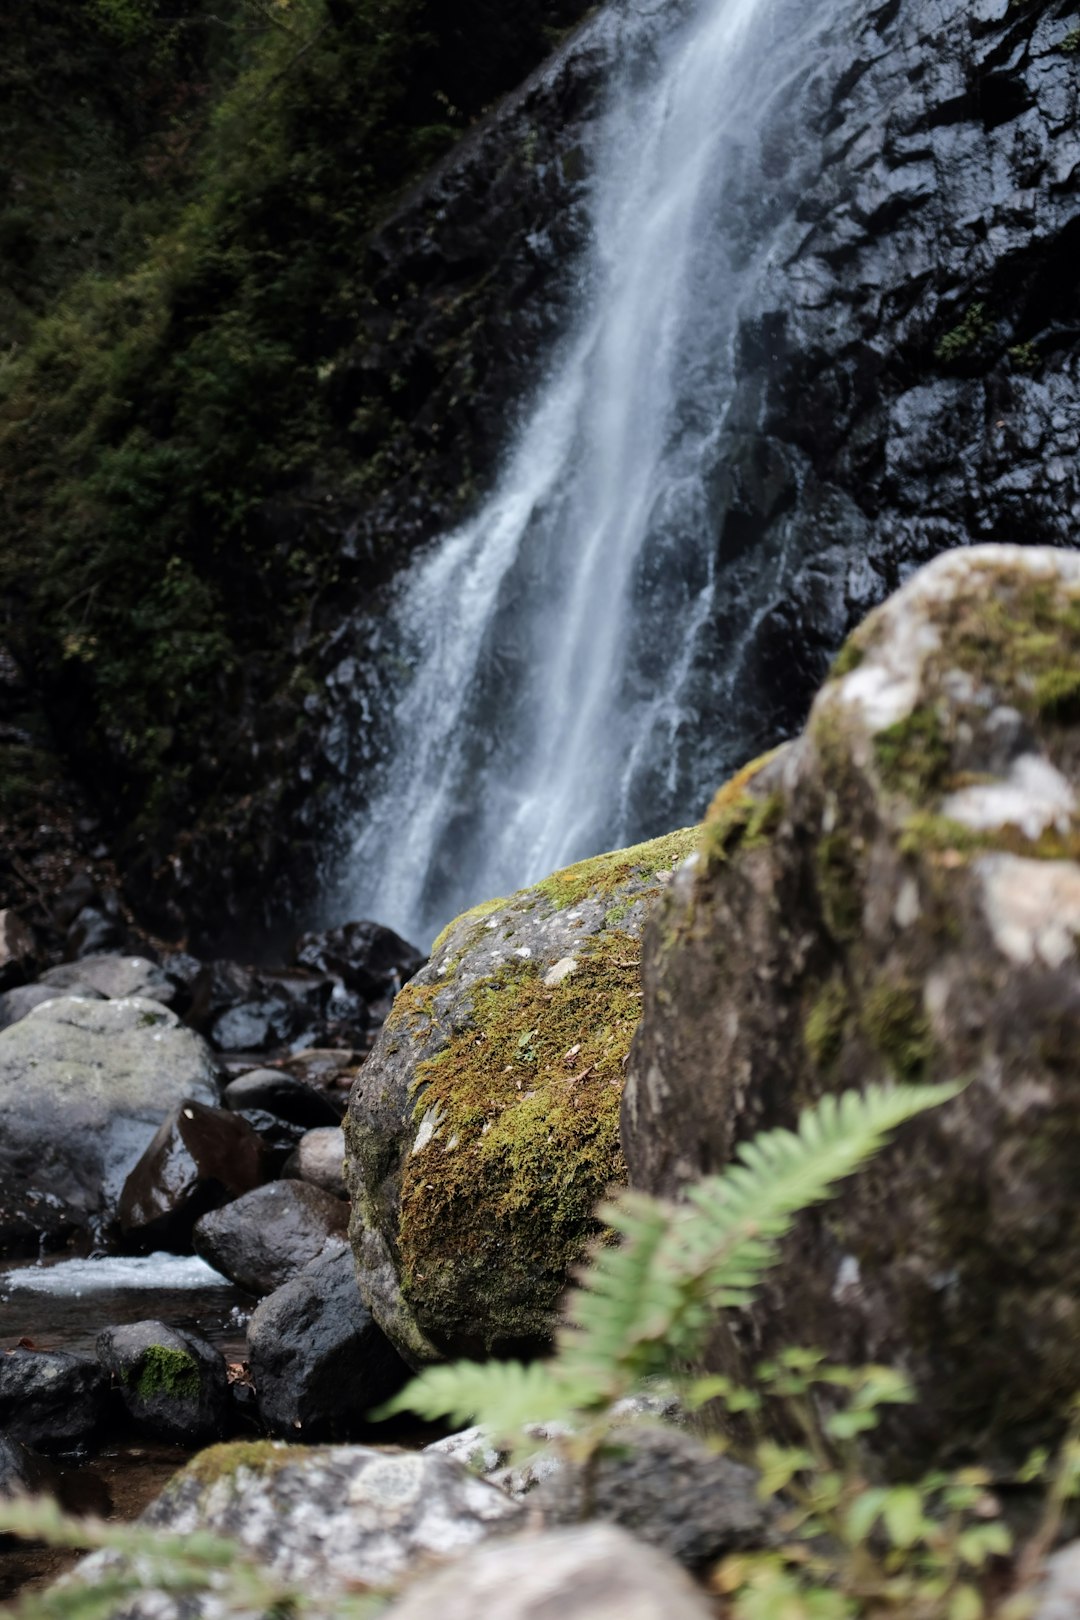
x,y
483,1128
896,895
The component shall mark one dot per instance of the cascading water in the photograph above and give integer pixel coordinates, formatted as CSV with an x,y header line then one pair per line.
x,y
567,693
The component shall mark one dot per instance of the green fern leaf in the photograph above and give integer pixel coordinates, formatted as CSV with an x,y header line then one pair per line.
x,y
503,1396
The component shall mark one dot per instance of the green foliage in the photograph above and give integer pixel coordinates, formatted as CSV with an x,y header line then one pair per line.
x,y
965,338
645,1304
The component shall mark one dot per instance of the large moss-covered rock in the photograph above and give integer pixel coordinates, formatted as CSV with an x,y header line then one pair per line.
x,y
483,1128
897,895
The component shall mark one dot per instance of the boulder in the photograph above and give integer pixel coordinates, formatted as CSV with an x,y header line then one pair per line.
x,y
198,1159
279,1094
327,1519
265,1237
18,949
483,1128
896,895
364,956
51,1400
318,1362
245,1009
115,976
172,1382
594,1572
16,1003
319,1157
83,1087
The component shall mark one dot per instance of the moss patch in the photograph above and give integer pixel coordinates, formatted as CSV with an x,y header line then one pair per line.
x,y
165,1371
737,818
823,1032
847,659
913,755
475,914
604,874
894,1021
498,1205
222,1462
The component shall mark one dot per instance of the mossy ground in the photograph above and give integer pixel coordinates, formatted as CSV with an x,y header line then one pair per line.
x,y
605,874
498,1205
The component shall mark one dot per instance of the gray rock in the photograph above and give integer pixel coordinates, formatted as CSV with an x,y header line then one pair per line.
x,y
261,1240
18,948
171,1381
16,1003
595,1572
279,1094
906,909
1057,1597
324,1518
669,1489
319,1157
51,1400
482,1130
116,977
83,1087
318,1362
21,1472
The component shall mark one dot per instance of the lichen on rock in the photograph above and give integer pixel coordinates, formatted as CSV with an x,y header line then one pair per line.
x,y
484,1128
913,914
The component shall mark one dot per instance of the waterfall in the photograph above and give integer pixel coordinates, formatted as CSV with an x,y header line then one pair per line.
x,y
567,684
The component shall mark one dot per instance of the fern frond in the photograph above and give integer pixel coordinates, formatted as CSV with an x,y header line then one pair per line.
x,y
503,1396
650,1301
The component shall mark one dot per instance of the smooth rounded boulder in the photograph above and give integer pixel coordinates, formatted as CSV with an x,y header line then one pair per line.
x,y
896,896
83,1087
262,1239
483,1129
172,1382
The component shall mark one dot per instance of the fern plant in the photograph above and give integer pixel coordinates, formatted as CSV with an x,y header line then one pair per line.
x,y
644,1306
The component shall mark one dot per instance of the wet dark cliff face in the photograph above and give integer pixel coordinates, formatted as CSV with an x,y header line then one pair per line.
x,y
906,381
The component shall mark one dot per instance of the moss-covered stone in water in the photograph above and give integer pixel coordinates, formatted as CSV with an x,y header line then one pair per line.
x,y
527,1140
603,874
895,1022
913,755
165,1371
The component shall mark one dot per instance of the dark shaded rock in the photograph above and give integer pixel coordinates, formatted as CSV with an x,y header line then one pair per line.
x,y
15,1004
594,1572
199,1159
329,1519
23,1473
84,1085
242,1009
319,1157
172,1382
265,1237
907,909
318,1362
365,956
278,1137
99,926
669,1489
279,1094
51,1400
18,950
482,1130
115,976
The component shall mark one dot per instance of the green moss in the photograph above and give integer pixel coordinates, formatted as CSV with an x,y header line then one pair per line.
x,y
165,1371
412,1003
1024,356
604,874
498,1205
839,885
474,914
964,338
823,1031
1071,43
1020,637
1056,694
913,755
222,1462
737,818
893,1020
847,659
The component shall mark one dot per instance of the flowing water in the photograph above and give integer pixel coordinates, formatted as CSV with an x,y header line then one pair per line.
x,y
569,691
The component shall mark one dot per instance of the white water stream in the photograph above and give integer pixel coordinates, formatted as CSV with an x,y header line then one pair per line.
x,y
554,706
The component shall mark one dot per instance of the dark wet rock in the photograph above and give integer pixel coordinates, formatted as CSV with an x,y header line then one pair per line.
x,y
23,1473
594,1572
319,1157
183,970
482,1130
896,897
279,1094
279,1139
318,1362
667,1487
243,1009
115,976
18,950
268,1235
51,1400
84,1085
328,1519
99,926
172,1382
16,1003
365,956
199,1158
